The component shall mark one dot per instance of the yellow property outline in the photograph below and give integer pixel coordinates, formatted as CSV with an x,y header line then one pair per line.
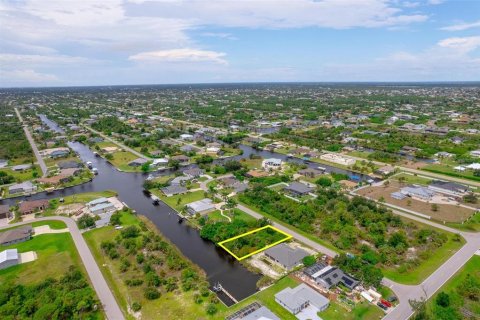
x,y
287,237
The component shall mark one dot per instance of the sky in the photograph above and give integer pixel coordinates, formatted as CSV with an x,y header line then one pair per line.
x,y
114,42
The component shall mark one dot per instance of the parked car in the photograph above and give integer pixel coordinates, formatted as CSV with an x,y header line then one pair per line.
x,y
381,305
386,303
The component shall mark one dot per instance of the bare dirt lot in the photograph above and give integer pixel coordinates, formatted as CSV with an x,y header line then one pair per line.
x,y
446,212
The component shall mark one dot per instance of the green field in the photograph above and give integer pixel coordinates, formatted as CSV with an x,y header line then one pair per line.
x,y
362,311
25,175
413,179
449,171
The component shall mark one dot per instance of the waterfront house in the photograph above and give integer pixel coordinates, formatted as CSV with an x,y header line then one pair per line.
x,y
286,256
24,187
16,235
300,298
203,206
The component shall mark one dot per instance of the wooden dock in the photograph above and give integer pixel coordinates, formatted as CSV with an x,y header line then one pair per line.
x,y
220,288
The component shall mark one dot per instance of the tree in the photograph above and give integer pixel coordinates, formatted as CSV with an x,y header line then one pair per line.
x,y
324,181
443,299
308,261
86,221
175,164
434,207
146,166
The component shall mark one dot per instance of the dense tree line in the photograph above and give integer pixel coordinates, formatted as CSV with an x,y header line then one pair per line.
x,y
355,225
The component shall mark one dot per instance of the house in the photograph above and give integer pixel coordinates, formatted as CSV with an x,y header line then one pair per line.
x,y
137,162
8,258
186,137
95,140
473,166
272,164
28,207
475,153
4,211
189,148
200,207
449,188
3,163
160,162
301,297
310,172
328,276
339,159
286,256
193,173
59,154
298,189
180,158
69,165
443,154
21,167
101,205
173,189
16,235
421,193
262,313
24,187
386,170
213,150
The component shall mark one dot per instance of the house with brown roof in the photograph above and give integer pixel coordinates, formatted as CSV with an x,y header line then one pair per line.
x,y
16,235
28,207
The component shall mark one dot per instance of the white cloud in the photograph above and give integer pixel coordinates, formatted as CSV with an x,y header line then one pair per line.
x,y
339,14
462,45
9,59
435,2
180,55
28,76
462,26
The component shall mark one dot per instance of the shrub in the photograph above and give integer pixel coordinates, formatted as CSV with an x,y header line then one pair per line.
x,y
151,293
136,306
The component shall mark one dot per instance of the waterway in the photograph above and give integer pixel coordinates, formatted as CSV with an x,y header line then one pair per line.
x,y
218,265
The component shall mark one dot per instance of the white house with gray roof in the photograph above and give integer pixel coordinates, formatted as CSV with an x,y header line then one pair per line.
x,y
297,299
8,258
286,256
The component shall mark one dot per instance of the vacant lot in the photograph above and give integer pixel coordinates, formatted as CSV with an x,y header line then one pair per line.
x,y
445,212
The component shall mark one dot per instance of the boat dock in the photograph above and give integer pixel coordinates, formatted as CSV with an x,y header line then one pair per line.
x,y
219,288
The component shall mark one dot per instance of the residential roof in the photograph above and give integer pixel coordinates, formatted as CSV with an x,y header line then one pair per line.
x,y
102,206
69,164
138,161
201,205
97,201
4,208
194,172
298,187
27,206
21,167
174,189
263,313
311,171
23,185
417,191
9,254
15,234
296,297
330,275
447,185
286,255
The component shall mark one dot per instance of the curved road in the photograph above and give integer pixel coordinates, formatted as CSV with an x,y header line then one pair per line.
x,y
110,305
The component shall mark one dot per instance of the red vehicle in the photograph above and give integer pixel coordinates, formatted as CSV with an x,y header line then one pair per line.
x,y
386,303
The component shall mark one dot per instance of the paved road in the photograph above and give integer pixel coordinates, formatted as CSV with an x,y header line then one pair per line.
x,y
40,161
296,235
110,305
121,145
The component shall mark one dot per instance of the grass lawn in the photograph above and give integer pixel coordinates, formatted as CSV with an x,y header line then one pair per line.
x,y
362,310
427,267
25,175
472,267
88,196
121,160
54,224
56,252
410,178
252,163
179,201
